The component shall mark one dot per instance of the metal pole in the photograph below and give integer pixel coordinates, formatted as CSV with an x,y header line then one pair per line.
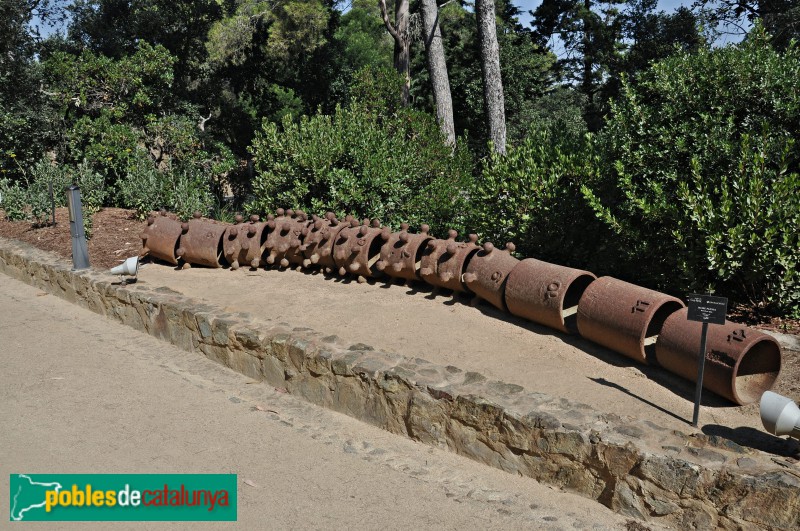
x,y
80,253
52,201
701,367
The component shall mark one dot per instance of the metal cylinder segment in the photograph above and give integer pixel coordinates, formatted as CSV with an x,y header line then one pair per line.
x,y
487,272
160,237
201,242
547,293
624,317
401,252
741,363
442,262
358,249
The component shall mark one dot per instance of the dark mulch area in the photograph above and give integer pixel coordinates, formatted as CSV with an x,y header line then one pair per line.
x,y
115,236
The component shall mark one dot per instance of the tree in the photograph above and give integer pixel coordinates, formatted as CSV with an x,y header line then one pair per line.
x,y
437,68
781,18
402,41
492,80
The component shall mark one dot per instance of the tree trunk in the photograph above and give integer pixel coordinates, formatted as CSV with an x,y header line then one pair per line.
x,y
493,100
402,41
437,68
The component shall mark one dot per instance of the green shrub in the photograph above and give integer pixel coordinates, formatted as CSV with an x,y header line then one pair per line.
x,y
144,188
13,200
365,161
37,192
532,197
701,187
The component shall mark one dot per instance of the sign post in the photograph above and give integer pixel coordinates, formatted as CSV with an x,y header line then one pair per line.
x,y
80,253
705,309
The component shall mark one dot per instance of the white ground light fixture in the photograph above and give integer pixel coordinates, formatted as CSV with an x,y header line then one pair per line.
x,y
780,415
129,267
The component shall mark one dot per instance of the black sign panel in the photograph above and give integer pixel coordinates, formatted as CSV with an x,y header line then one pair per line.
x,y
707,308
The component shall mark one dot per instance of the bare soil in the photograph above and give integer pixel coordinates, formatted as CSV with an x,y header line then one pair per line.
x,y
418,322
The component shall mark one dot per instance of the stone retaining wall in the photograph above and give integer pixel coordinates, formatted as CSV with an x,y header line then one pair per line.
x,y
635,467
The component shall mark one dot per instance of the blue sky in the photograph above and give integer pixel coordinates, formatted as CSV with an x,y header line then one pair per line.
x,y
530,5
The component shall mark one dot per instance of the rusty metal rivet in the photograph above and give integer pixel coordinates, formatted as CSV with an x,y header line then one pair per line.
x,y
452,234
197,214
451,248
488,247
239,218
150,220
425,228
184,227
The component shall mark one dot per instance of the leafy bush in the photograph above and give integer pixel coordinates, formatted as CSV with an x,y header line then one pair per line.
x,y
182,190
532,196
365,161
701,186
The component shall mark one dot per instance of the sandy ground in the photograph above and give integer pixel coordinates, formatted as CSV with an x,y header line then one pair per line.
x,y
86,395
416,322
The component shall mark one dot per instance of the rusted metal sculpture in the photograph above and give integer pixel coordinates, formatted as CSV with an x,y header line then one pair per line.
x,y
201,242
318,240
547,293
401,252
442,261
242,242
283,238
624,317
358,248
487,273
741,363
160,237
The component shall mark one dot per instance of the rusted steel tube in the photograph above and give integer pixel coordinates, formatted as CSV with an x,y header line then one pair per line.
x,y
741,363
160,237
547,293
487,273
442,262
318,240
201,242
241,243
624,317
401,252
282,239
358,248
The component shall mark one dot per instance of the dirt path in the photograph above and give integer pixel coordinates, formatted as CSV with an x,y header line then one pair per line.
x,y
418,323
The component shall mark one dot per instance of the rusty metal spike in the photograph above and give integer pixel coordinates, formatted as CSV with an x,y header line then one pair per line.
x,y
488,247
254,218
232,232
445,276
245,245
431,244
469,277
271,224
380,265
363,230
284,262
271,258
270,217
315,258
254,263
180,252
151,220
163,211
404,236
197,214
386,234
144,237
473,238
235,265
397,266
307,262
290,213
342,271
425,228
314,218
353,267
510,247
404,226
451,248
452,234
361,279
280,212
239,218
425,271
185,227
305,231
